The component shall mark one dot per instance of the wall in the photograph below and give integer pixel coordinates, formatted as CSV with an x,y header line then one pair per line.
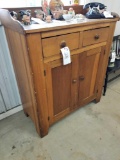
x,y
26,3
112,6
21,3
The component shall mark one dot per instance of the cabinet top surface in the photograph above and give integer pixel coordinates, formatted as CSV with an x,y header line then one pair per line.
x,y
56,24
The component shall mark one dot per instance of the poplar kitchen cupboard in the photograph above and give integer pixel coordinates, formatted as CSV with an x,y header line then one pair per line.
x,y
50,90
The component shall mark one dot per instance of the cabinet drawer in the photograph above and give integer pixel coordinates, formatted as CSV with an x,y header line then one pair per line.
x,y
51,46
95,36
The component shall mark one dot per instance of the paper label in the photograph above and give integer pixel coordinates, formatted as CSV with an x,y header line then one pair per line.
x,y
66,55
107,14
113,55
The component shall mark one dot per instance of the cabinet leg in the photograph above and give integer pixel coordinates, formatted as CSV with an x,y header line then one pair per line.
x,y
43,132
43,128
26,114
97,100
99,94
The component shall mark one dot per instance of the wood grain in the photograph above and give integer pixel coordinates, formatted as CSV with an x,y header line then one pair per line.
x,y
74,82
54,43
36,61
95,36
72,28
61,82
9,22
87,74
18,51
104,61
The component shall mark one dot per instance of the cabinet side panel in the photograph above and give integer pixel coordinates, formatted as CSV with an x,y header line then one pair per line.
x,y
18,51
104,62
36,61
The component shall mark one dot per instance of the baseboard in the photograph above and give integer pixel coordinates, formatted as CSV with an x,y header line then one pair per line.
x,y
11,112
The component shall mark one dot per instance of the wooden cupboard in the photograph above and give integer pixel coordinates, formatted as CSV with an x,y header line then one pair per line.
x,y
50,90
74,85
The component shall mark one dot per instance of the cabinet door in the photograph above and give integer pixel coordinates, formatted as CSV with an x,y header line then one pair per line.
x,y
88,68
71,86
58,83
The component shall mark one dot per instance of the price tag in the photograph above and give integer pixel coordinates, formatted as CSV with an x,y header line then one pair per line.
x,y
66,55
113,55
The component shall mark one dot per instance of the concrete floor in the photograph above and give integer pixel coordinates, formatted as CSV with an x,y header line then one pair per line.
x,y
90,133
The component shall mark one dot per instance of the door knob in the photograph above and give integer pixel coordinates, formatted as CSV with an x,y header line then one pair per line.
x,y
81,78
97,37
62,44
74,81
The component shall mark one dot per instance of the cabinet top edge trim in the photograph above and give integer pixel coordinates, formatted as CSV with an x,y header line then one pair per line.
x,y
72,30
88,22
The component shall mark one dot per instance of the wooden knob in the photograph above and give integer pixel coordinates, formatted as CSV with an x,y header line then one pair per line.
x,y
82,78
74,81
97,37
62,44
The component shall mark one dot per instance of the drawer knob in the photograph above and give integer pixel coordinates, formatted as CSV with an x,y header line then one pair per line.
x,y
97,37
62,44
74,81
81,78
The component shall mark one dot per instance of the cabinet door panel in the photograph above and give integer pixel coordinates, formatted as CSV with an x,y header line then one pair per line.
x,y
87,76
61,81
58,83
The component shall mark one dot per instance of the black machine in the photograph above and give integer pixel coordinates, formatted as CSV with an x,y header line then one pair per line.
x,y
94,4
95,10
